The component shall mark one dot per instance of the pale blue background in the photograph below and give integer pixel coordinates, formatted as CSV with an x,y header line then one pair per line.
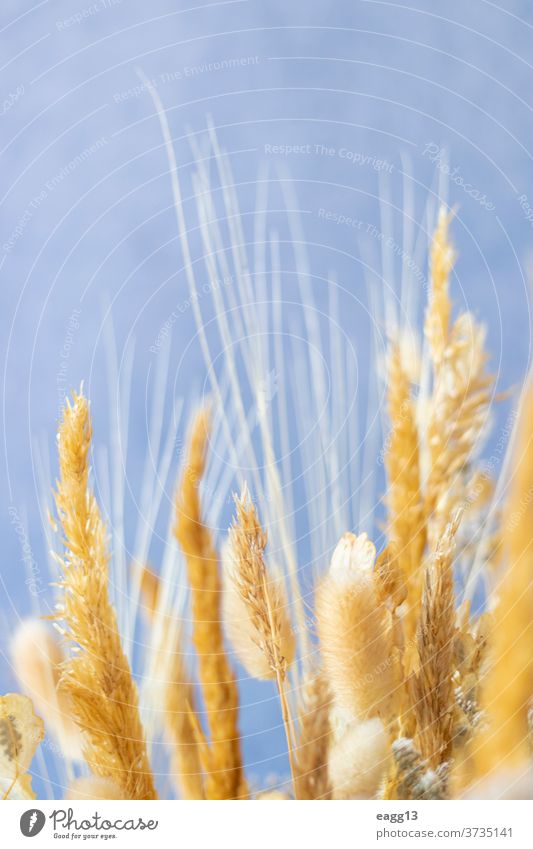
x,y
381,78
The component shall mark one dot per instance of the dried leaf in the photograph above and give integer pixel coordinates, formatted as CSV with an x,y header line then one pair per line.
x,y
21,731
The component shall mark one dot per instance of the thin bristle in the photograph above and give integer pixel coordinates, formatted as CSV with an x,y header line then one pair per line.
x,y
97,679
224,779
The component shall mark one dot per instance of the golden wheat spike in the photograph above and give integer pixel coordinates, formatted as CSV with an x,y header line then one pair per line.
x,y
461,391
256,605
263,609
97,679
404,501
433,691
224,779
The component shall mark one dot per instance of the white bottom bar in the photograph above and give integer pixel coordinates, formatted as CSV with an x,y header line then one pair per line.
x,y
272,825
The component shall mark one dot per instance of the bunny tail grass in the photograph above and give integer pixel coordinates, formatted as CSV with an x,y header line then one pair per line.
x,y
355,630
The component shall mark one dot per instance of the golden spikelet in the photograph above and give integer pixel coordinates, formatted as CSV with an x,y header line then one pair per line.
x,y
505,743
93,787
224,779
358,760
313,739
404,502
264,605
97,679
355,630
461,392
38,659
433,694
255,602
458,411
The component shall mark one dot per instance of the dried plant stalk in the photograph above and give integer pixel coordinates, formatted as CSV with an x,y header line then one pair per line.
x,y
404,501
313,739
505,744
97,679
21,731
265,607
433,695
38,659
224,779
355,630
180,717
179,705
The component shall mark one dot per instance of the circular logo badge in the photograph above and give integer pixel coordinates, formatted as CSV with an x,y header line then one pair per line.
x,y
32,822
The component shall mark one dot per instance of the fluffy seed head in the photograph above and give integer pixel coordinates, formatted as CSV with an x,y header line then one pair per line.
x,y
358,760
355,630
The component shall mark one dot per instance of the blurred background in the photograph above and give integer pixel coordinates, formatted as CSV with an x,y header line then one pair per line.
x,y
372,108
